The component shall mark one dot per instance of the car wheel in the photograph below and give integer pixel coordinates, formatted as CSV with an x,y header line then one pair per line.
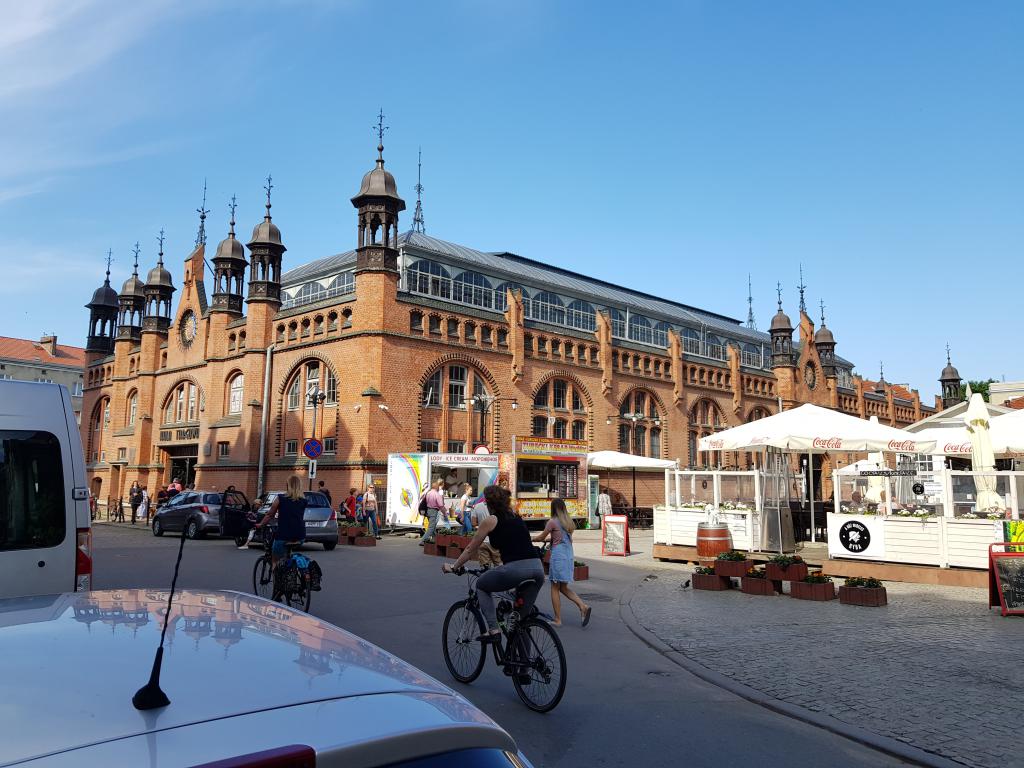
x,y
158,528
329,545
192,529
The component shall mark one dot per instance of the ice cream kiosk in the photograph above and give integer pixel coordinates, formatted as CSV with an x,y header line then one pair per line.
x,y
409,474
540,469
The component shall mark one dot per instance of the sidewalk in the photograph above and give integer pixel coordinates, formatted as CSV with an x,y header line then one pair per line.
x,y
934,669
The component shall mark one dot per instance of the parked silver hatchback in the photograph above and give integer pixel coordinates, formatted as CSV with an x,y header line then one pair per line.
x,y
197,512
320,518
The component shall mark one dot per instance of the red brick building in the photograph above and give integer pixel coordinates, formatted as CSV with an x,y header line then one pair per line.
x,y
419,343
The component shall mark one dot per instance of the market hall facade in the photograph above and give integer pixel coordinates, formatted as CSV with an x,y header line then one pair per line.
x,y
422,344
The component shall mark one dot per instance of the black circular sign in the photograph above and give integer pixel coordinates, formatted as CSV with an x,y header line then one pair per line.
x,y
704,484
918,489
855,536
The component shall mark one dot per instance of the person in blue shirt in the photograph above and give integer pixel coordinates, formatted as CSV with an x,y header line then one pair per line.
x,y
289,508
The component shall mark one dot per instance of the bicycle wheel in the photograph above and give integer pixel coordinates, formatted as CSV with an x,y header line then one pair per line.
x,y
540,680
300,599
463,653
263,578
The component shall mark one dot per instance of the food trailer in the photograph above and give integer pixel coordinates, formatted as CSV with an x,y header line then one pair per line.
x,y
409,474
540,469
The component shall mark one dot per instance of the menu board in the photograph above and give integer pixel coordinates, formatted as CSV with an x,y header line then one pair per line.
x,y
1006,581
615,535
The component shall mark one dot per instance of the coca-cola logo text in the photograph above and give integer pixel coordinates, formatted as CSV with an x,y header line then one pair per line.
x,y
956,448
828,443
715,444
902,445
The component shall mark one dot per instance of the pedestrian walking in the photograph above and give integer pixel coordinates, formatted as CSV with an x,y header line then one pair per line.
x,y
144,506
326,492
135,499
464,511
559,530
119,511
350,504
435,509
370,511
604,504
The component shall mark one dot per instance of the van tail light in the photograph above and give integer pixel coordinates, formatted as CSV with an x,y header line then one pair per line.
x,y
334,516
83,560
204,509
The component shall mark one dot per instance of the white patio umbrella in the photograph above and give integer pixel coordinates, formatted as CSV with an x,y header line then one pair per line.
x,y
812,429
982,456
617,460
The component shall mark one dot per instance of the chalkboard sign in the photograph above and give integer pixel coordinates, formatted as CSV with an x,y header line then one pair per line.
x,y
1006,580
615,535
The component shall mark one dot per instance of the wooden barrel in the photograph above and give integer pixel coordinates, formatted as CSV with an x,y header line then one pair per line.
x,y
712,539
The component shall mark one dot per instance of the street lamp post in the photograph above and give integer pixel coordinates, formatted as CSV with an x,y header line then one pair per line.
x,y
315,396
483,404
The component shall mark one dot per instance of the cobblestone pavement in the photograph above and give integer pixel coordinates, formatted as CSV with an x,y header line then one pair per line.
x,y
933,669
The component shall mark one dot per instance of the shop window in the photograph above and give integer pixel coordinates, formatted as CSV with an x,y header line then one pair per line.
x,y
430,446
291,447
456,446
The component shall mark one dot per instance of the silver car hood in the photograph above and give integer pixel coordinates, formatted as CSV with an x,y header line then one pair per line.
x,y
71,663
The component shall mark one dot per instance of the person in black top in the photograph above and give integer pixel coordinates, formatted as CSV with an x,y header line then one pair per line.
x,y
326,492
507,533
289,508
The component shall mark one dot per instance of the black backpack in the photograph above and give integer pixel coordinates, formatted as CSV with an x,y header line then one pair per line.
x,y
423,505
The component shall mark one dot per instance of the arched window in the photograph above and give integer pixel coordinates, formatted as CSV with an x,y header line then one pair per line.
x,y
331,388
579,430
715,347
546,307
308,293
294,394
455,401
691,341
501,295
618,320
706,418
751,355
235,389
640,329
473,288
133,408
580,314
98,424
343,283
659,336
182,404
430,278
555,402
641,425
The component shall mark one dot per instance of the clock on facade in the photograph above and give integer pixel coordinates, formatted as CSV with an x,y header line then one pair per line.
x,y
810,376
189,327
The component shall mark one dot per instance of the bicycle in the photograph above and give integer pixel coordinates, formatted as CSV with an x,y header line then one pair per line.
x,y
273,586
528,649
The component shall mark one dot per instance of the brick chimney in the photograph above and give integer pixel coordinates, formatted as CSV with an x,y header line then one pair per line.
x,y
49,343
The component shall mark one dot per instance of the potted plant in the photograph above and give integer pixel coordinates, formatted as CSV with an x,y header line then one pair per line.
x,y
706,578
580,570
786,568
863,590
755,583
732,564
815,586
430,548
442,536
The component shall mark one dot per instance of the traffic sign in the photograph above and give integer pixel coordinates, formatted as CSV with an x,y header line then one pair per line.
x,y
312,448
312,468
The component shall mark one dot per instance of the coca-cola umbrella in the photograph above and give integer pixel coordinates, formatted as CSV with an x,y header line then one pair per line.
x,y
982,456
812,429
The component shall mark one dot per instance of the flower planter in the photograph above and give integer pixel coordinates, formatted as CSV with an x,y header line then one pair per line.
x,y
430,548
736,569
803,590
753,586
460,541
442,539
343,536
581,573
869,597
793,572
355,530
452,553
364,541
711,581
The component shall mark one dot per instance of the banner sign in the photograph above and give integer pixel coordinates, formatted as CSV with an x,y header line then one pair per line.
x,y
1006,580
615,535
856,536
887,472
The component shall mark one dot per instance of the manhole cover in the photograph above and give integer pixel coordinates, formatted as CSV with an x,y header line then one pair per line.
x,y
592,597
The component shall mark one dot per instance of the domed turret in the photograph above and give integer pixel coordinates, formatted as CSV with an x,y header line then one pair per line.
x,y
229,271
132,304
265,252
825,343
950,382
378,205
102,316
781,332
158,291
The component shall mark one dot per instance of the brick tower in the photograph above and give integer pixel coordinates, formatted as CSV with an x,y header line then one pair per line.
x,y
265,253
103,308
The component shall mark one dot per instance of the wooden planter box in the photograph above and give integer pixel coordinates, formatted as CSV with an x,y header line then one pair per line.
x,y
353,531
794,572
342,536
736,569
452,553
801,590
430,548
460,541
752,586
869,597
364,541
442,539
711,581
581,573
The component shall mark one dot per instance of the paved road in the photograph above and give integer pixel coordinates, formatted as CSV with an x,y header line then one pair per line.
x,y
625,704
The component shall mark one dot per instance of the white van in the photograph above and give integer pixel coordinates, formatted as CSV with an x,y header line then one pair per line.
x,y
45,538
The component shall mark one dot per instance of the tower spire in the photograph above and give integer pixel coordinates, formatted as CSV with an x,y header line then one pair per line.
x,y
379,129
267,188
160,256
135,267
231,231
778,290
802,288
110,258
751,323
822,304
201,235
418,225
948,361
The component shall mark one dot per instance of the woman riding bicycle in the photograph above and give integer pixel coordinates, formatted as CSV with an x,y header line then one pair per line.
x,y
508,534
289,508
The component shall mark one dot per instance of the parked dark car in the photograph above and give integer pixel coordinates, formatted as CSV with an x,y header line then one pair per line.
x,y
199,512
320,518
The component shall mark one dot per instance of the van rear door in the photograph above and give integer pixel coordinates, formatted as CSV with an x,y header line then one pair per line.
x,y
38,520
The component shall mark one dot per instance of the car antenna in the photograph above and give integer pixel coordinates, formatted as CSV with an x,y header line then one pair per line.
x,y
151,695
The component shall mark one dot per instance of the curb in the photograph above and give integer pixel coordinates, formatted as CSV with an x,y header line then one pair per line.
x,y
126,526
886,744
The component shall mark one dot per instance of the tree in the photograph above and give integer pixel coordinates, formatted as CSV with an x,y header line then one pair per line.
x,y
976,386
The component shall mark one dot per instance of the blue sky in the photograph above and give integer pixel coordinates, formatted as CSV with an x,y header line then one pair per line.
x,y
667,147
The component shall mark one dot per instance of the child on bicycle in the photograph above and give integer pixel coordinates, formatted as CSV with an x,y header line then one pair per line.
x,y
289,508
507,532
